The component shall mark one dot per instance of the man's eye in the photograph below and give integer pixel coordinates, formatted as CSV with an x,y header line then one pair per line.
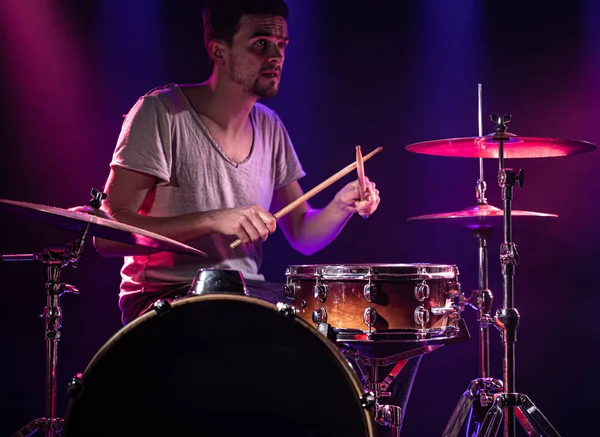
x,y
282,45
260,43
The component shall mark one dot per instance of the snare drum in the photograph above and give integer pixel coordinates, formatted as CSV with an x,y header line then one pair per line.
x,y
219,365
378,302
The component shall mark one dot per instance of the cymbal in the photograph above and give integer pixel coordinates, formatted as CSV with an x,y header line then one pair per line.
x,y
514,147
102,227
480,213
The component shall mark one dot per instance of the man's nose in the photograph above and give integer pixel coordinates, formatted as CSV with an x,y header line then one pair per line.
x,y
275,55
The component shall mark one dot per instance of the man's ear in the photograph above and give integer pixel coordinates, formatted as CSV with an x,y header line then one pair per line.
x,y
216,51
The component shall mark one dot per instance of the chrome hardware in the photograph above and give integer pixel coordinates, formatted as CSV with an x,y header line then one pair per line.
x,y
320,292
481,300
319,315
370,291
421,291
369,316
285,309
367,400
289,290
389,415
161,306
453,312
421,316
303,303
486,320
454,290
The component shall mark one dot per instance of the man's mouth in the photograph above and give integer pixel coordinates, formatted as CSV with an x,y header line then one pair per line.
x,y
270,74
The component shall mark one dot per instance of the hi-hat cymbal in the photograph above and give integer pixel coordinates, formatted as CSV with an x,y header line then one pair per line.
x,y
106,228
514,147
480,213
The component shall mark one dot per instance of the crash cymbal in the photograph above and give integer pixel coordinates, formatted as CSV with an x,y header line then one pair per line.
x,y
481,213
514,147
102,227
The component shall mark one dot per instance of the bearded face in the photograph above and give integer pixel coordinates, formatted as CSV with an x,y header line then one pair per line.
x,y
255,58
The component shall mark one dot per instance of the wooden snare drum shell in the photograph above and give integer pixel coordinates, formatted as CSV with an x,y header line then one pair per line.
x,y
396,296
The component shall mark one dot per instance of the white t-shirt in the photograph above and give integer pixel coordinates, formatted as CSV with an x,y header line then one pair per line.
x,y
163,136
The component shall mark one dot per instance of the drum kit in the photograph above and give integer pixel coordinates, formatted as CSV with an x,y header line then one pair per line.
x,y
193,364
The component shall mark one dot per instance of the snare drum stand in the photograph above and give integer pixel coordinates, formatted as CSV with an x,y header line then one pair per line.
x,y
477,399
56,259
509,404
384,414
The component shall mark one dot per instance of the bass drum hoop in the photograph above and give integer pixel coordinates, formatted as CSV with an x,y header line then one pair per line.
x,y
74,416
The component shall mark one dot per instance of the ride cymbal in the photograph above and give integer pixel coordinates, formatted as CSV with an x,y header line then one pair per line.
x,y
514,147
106,228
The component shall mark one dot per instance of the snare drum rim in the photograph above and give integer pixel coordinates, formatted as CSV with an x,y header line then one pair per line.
x,y
341,360
373,271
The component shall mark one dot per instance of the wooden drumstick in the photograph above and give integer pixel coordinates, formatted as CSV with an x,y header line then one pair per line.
x,y
327,182
360,169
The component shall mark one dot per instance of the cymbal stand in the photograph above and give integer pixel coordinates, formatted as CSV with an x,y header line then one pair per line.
x,y
509,405
478,397
55,259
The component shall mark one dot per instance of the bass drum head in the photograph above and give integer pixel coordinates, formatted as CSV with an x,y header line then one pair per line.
x,y
218,365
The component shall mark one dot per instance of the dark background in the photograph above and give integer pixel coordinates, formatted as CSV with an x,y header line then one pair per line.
x,y
382,73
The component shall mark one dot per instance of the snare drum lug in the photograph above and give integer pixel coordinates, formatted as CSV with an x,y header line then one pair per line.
x,y
421,291
370,292
421,316
369,316
320,292
289,290
161,306
319,315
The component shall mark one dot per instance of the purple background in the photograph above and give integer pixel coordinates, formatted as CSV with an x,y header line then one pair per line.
x,y
372,74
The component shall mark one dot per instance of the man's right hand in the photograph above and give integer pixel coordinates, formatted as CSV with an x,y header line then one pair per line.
x,y
250,224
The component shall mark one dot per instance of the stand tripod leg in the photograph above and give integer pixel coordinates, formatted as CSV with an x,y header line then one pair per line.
x,y
43,425
529,413
459,414
30,428
478,395
492,422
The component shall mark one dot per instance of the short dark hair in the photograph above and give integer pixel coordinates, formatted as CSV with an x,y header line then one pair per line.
x,y
222,17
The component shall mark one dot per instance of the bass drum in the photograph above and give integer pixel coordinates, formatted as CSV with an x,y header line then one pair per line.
x,y
218,365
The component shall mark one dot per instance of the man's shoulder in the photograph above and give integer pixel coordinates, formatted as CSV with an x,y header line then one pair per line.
x,y
161,90
163,93
264,114
165,97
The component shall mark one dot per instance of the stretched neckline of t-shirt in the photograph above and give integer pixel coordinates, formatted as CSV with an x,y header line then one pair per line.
x,y
212,141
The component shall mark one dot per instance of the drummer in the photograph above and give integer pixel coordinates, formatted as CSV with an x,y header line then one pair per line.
x,y
207,164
